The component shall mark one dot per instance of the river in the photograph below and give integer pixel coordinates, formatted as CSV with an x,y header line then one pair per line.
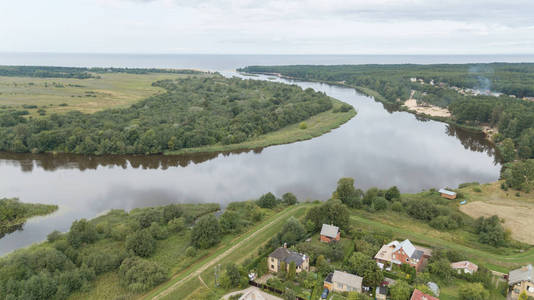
x,y
377,147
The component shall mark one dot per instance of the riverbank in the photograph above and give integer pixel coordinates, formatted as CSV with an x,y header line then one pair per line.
x,y
13,214
317,125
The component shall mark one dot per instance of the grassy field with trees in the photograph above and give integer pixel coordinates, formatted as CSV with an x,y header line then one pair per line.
x,y
13,213
188,113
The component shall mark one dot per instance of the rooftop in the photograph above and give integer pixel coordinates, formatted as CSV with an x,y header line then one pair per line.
x,y
418,295
347,278
523,274
447,192
329,230
288,256
464,265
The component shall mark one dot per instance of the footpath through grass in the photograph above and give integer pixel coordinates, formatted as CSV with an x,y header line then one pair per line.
x,y
177,288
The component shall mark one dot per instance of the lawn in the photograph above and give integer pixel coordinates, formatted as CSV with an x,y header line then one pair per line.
x,y
59,95
403,227
194,288
515,208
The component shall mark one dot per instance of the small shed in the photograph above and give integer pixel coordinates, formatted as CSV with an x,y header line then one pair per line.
x,y
447,194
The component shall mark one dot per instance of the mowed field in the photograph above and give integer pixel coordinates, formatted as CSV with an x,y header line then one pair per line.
x,y
517,212
59,95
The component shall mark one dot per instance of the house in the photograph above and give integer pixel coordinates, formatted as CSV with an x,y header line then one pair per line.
x,y
254,293
284,255
330,233
402,253
343,282
381,292
418,295
521,280
447,194
464,266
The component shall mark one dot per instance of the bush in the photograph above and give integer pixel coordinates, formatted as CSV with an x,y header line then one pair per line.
x,y
289,199
53,236
81,232
158,232
267,201
138,275
141,243
303,125
206,233
380,203
176,225
191,251
397,206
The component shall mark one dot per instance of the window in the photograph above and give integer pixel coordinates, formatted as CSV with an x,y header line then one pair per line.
x,y
272,259
407,259
272,267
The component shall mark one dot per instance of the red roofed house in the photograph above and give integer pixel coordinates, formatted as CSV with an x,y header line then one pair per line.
x,y
466,266
402,253
418,295
330,233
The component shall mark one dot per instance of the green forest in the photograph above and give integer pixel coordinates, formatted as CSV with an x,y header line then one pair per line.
x,y
509,113
79,73
193,112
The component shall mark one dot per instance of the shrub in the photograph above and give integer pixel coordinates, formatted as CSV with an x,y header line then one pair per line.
x,y
191,251
267,201
81,232
206,233
141,243
53,236
303,125
176,225
138,275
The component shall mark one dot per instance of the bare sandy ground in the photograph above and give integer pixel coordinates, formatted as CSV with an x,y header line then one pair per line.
x,y
518,216
427,109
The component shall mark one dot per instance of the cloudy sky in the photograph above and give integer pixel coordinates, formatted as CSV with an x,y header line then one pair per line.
x,y
268,26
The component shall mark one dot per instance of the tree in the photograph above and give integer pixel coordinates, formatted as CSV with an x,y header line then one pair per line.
x,y
176,225
380,203
322,265
345,191
292,272
401,290
289,199
232,276
158,232
138,275
81,232
507,150
392,193
141,243
206,233
442,268
171,211
292,232
473,291
365,267
267,201
229,221
330,212
289,294
490,231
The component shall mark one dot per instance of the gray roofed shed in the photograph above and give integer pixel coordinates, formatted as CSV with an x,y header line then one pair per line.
x,y
523,274
330,231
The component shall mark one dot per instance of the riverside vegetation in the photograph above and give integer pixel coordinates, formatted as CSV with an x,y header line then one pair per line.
x,y
510,112
13,213
201,110
143,252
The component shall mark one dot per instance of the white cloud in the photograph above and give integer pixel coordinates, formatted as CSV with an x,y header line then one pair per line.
x,y
268,26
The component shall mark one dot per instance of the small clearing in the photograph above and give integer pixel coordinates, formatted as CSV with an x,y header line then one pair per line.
x,y
425,108
517,216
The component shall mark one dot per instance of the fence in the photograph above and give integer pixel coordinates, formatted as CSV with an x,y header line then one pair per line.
x,y
271,289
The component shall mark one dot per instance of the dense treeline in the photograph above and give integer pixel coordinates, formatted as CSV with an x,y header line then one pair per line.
x,y
513,117
79,73
193,112
14,213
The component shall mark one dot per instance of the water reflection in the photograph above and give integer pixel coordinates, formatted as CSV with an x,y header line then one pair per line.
x,y
53,162
378,148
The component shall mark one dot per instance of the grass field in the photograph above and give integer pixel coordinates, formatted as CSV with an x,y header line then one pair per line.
x,y
195,289
517,212
86,95
403,227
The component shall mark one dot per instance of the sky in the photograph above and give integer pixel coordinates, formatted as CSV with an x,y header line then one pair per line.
x,y
268,26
